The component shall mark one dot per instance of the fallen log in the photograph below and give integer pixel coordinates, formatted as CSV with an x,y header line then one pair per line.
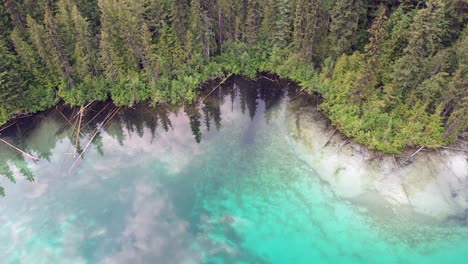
x,y
329,138
267,78
92,119
217,86
108,118
457,149
78,129
414,154
21,151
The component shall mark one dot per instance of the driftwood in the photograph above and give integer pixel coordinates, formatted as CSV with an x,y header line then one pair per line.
x,y
267,78
217,86
84,108
106,120
92,119
342,144
23,152
372,158
68,120
3,128
414,154
457,149
78,128
329,138
297,95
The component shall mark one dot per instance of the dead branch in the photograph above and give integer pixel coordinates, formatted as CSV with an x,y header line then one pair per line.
x,y
92,119
457,149
217,86
414,154
78,128
106,121
261,76
23,152
329,138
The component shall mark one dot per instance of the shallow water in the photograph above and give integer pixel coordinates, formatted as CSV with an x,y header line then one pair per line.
x,y
217,182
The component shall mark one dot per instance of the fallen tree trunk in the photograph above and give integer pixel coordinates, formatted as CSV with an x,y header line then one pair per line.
x,y
21,151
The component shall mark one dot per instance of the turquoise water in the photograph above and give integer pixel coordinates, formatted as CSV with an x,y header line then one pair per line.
x,y
147,192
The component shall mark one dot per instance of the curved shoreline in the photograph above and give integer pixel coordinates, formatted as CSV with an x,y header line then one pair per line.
x,y
433,183
205,87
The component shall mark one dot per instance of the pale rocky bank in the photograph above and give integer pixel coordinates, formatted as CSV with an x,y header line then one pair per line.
x,y
433,184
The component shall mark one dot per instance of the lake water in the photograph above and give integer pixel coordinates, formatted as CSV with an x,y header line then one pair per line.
x,y
214,182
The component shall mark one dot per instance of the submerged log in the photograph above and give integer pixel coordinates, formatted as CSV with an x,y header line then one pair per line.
x,y
456,149
217,86
68,121
92,119
329,138
98,129
408,159
78,129
267,78
21,151
5,127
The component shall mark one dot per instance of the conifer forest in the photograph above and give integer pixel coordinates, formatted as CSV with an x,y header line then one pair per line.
x,y
392,74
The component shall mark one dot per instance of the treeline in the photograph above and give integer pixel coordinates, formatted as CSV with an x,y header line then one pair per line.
x,y
392,73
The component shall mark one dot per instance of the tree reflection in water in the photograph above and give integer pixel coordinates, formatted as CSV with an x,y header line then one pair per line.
x,y
129,122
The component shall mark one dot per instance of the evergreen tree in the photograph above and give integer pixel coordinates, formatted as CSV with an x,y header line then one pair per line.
x,y
40,48
282,23
123,33
345,17
277,22
170,51
85,57
426,36
369,75
58,55
253,21
200,34
11,75
179,19
268,21
17,18
309,28
228,16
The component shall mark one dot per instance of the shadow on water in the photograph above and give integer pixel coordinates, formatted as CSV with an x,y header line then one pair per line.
x,y
38,134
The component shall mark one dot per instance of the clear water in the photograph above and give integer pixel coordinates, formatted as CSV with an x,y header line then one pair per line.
x,y
240,194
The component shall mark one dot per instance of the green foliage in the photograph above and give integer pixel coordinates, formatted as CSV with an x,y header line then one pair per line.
x,y
392,73
345,16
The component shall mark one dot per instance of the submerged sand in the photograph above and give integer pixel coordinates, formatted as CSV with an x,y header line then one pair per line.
x,y
433,184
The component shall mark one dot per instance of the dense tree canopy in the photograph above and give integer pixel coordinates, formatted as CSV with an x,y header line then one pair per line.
x,y
393,73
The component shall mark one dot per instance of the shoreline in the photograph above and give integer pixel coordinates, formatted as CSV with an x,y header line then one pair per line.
x,y
433,183
207,86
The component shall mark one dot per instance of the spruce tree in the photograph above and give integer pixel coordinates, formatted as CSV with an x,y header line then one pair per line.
x,y
58,54
170,51
345,17
369,74
84,55
282,23
253,21
268,22
179,19
426,36
309,29
16,16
